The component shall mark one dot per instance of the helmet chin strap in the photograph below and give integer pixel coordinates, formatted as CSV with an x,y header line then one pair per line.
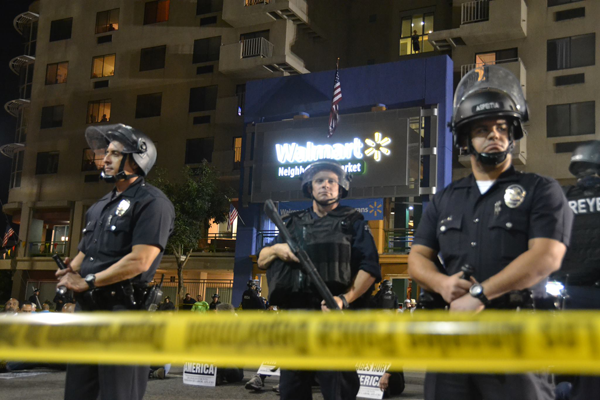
x,y
492,158
328,202
121,175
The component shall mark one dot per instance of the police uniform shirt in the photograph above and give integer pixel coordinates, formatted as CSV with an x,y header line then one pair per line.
x,y
251,301
141,215
489,231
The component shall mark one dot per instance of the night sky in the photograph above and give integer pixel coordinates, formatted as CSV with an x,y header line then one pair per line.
x,y
12,46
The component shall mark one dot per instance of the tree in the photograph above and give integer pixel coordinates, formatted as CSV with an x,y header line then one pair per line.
x,y
198,197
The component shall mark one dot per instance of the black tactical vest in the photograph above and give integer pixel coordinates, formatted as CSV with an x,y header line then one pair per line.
x,y
328,243
582,261
387,301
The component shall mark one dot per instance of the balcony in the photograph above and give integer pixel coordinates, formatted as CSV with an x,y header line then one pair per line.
x,y
482,22
515,66
9,150
23,20
17,63
258,59
13,107
519,154
240,14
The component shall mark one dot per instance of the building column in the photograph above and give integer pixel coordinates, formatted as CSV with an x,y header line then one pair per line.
x,y
245,246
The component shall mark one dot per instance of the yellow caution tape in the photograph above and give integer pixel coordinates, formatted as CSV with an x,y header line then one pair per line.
x,y
567,342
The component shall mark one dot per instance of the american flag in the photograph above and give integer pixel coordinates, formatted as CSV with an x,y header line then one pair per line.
x,y
334,115
7,235
233,214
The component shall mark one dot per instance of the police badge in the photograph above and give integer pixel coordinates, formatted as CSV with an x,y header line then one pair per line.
x,y
123,207
514,196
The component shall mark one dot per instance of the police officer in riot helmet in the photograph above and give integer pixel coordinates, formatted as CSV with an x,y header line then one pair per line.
x,y
580,271
251,299
512,227
340,244
122,244
215,302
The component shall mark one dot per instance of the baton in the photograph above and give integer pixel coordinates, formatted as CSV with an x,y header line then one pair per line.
x,y
62,290
307,265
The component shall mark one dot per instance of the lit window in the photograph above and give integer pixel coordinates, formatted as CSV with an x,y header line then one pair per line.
x,y
98,111
103,66
415,34
107,21
93,160
156,11
57,73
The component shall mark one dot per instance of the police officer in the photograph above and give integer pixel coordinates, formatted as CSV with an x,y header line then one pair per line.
x,y
251,299
512,227
385,298
124,238
341,246
215,302
580,271
34,298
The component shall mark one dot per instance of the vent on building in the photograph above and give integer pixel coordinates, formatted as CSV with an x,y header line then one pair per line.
x,y
271,68
202,119
568,147
569,79
101,84
458,41
569,14
208,20
104,39
205,69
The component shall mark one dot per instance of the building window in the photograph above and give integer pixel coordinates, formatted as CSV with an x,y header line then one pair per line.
x,y
572,52
240,92
98,111
497,57
47,163
552,3
197,150
57,73
52,117
206,50
571,119
156,11
92,160
203,98
103,66
16,170
153,58
148,105
569,14
415,34
107,21
209,6
237,152
61,29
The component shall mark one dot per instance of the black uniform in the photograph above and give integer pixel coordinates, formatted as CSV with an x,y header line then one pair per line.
x,y
251,301
488,232
385,300
213,305
141,215
580,271
340,244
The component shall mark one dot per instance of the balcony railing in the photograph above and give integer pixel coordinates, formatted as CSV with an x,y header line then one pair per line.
x,y
475,11
257,47
399,240
200,287
466,68
47,249
256,2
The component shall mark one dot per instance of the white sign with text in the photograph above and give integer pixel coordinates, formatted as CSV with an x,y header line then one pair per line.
x,y
268,368
369,375
199,374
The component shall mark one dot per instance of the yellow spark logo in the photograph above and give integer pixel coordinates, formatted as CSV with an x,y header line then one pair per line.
x,y
378,146
375,209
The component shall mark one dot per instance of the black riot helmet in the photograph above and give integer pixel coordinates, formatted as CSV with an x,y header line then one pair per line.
x,y
215,296
488,92
585,160
386,284
344,178
135,144
252,283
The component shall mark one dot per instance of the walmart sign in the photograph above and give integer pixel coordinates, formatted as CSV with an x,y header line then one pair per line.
x,y
372,209
349,154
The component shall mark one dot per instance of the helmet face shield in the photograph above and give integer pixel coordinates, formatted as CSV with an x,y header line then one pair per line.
x,y
495,79
344,178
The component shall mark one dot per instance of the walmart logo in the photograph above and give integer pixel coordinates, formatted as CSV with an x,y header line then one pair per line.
x,y
375,209
377,146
